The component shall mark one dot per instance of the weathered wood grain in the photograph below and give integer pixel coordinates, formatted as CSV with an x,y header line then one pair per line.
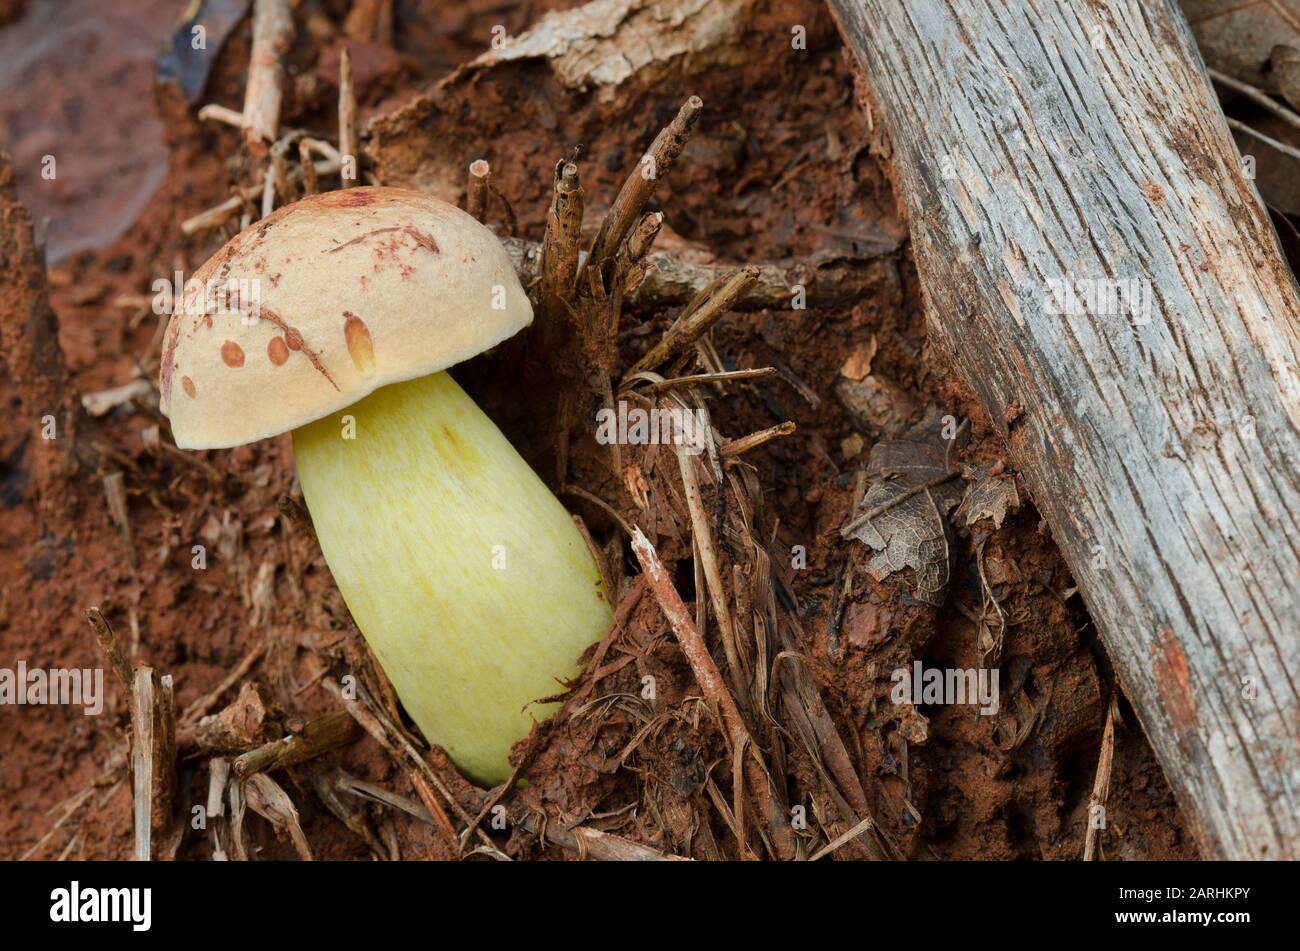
x,y
1061,140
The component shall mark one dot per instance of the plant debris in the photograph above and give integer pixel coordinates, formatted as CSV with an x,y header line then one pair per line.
x,y
904,515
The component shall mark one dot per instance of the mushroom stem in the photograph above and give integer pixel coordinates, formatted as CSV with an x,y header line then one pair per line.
x,y
466,575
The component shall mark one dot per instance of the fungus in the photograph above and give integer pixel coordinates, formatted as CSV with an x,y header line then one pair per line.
x,y
467,577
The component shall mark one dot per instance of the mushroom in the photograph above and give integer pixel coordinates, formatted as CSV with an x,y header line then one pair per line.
x,y
467,577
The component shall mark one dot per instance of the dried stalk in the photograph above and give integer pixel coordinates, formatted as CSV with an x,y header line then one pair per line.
x,y
297,513
1101,782
309,184
1257,96
265,797
736,447
1288,150
377,724
641,184
728,376
200,707
563,231
108,643
272,37
843,839
215,113
371,20
115,495
319,736
643,236
710,681
703,535
477,191
602,846
268,189
348,141
218,215
103,402
671,281
153,758
326,782
233,729
696,319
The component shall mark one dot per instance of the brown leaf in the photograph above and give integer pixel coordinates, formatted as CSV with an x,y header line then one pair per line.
x,y
1237,37
988,496
265,797
912,532
876,405
1286,72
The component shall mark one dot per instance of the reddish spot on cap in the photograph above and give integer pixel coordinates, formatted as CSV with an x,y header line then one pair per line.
x,y
278,351
348,198
231,354
188,386
360,346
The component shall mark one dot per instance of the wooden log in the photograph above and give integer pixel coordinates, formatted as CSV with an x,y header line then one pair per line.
x,y
1054,145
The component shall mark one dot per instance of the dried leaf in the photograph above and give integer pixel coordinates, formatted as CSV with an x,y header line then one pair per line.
x,y
911,530
988,495
1237,37
1286,70
265,797
908,535
875,404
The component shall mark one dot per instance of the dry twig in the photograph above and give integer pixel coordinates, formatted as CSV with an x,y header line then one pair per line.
x,y
710,681
641,184
476,195
696,319
272,36
108,643
153,758
349,150
1101,783
318,737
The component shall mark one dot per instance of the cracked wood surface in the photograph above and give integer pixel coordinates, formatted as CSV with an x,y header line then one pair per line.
x,y
1044,143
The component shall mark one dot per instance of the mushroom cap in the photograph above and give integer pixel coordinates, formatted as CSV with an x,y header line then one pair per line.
x,y
312,308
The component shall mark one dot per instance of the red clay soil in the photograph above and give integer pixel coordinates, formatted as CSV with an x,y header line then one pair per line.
x,y
782,167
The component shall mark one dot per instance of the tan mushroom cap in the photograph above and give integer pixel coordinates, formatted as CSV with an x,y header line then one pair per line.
x,y
330,298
